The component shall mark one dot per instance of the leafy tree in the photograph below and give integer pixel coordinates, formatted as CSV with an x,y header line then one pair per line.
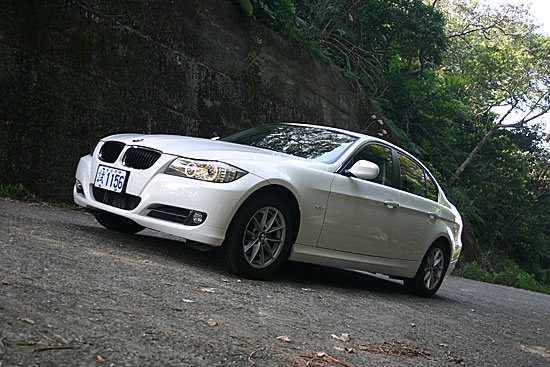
x,y
461,86
501,64
495,62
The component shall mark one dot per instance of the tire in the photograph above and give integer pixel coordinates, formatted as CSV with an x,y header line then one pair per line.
x,y
258,239
117,223
431,273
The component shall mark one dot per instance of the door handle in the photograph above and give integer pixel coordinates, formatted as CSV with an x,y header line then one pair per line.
x,y
391,204
433,215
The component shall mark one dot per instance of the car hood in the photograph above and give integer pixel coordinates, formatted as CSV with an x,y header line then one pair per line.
x,y
242,156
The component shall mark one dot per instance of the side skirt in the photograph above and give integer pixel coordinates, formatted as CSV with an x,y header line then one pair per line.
x,y
392,267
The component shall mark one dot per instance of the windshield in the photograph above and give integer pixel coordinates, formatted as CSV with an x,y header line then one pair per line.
x,y
301,141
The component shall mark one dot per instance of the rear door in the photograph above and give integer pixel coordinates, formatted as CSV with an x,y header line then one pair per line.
x,y
416,220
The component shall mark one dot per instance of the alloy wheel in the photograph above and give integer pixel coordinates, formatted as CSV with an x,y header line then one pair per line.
x,y
435,266
264,237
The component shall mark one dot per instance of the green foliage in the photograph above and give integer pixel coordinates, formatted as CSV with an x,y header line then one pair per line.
x,y
510,189
136,24
361,38
247,7
475,271
276,10
434,76
504,272
18,192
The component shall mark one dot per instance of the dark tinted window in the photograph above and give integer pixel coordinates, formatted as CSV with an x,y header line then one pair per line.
x,y
300,141
380,155
433,192
412,177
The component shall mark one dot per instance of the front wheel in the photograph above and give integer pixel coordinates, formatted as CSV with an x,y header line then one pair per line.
x,y
431,273
258,239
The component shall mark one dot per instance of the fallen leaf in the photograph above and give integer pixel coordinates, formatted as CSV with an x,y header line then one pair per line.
x,y
540,351
394,348
5,282
345,349
325,357
24,342
207,290
457,360
343,337
212,322
98,359
26,319
283,338
54,347
165,333
250,358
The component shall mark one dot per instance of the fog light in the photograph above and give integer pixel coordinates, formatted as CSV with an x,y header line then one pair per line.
x,y
79,188
197,218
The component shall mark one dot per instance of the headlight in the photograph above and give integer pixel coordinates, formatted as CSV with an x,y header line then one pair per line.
x,y
205,170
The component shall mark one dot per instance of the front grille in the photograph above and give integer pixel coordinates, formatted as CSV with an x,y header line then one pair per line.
x,y
118,200
169,213
110,151
140,158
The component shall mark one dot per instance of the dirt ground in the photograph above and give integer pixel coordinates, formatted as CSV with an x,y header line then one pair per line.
x,y
75,294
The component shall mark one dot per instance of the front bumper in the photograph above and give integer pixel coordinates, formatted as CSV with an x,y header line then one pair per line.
x,y
153,188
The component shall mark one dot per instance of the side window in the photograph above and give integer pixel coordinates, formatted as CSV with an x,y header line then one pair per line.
x,y
380,155
433,192
413,178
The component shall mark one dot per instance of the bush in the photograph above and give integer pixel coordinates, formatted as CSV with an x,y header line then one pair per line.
x,y
528,281
475,271
18,192
504,271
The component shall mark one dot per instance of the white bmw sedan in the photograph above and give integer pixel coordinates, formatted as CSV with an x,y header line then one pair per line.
x,y
283,191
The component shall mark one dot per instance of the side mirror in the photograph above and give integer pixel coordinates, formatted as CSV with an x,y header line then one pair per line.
x,y
364,170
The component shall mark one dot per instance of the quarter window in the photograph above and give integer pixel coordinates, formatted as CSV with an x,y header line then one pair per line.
x,y
433,192
416,180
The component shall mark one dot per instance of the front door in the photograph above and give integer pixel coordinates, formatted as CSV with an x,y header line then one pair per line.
x,y
360,214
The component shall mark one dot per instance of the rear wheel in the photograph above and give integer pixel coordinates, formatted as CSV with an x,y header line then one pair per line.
x,y
258,239
431,273
117,223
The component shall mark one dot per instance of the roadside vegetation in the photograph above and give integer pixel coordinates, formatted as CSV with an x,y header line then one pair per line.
x,y
19,193
463,87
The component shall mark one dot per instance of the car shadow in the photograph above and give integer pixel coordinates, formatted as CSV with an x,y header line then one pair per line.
x,y
311,275
149,244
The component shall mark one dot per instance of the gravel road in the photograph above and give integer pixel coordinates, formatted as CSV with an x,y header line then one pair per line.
x,y
75,294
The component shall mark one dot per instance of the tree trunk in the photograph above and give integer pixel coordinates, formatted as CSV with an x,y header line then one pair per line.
x,y
473,153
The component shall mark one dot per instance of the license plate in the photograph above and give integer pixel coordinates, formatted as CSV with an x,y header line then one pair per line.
x,y
109,178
